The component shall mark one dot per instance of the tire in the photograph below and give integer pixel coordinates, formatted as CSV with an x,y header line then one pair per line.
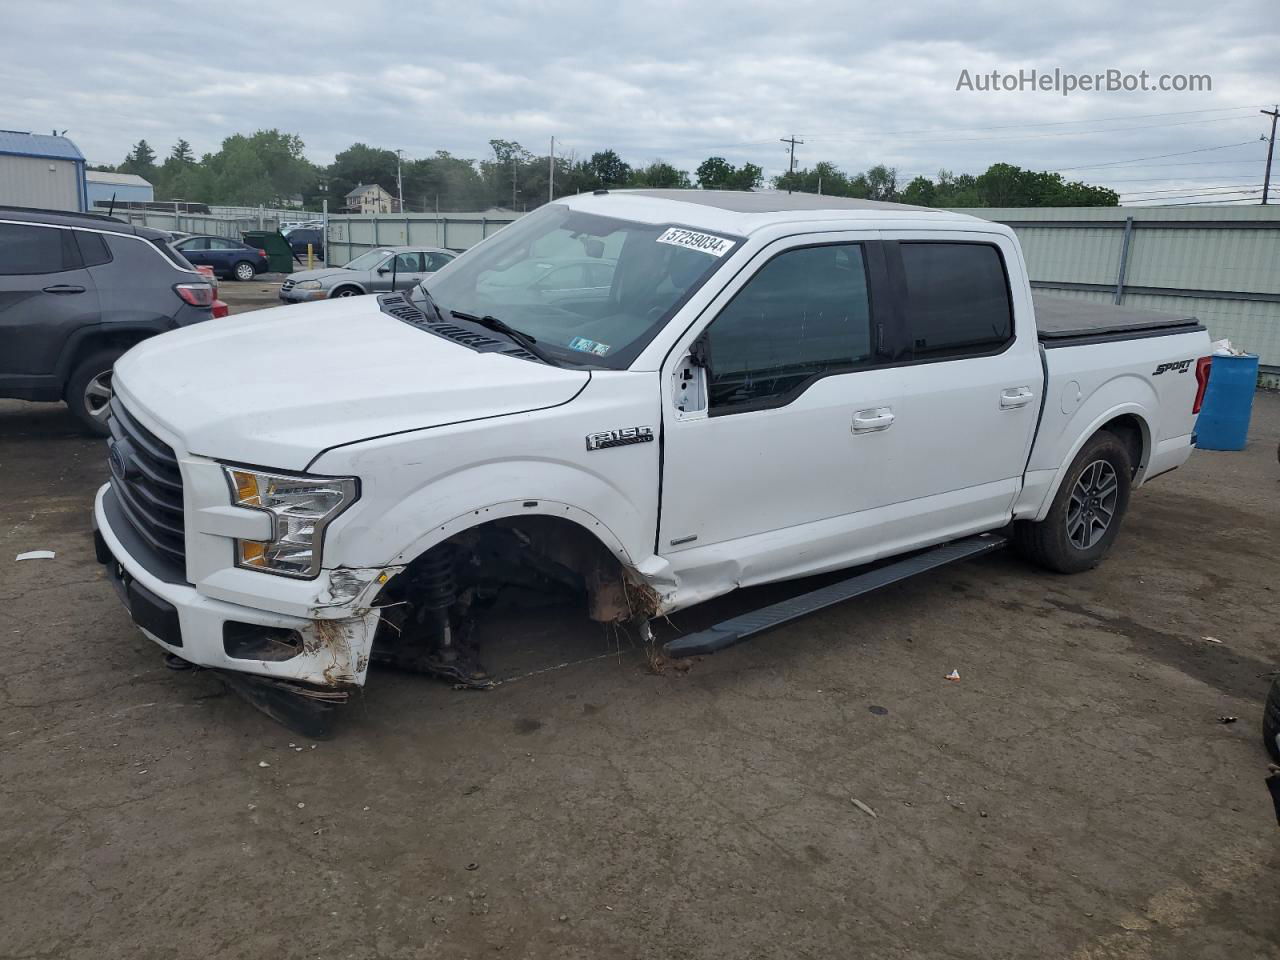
x,y
347,292
1087,510
1271,722
88,391
244,271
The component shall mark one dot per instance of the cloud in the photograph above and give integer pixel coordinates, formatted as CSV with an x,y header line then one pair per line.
x,y
861,83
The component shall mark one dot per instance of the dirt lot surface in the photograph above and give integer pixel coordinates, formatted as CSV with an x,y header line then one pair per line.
x,y
1073,796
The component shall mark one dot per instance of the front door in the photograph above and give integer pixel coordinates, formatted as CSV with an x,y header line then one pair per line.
x,y
775,431
404,269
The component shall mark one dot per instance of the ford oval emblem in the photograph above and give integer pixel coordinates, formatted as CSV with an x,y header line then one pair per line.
x,y
116,460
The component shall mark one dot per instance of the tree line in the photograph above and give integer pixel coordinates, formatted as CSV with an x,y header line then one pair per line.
x,y
269,168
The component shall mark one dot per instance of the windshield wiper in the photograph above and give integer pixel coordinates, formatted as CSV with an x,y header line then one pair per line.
x,y
431,302
491,322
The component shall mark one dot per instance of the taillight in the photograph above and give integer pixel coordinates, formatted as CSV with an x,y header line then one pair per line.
x,y
196,294
1202,381
220,309
262,254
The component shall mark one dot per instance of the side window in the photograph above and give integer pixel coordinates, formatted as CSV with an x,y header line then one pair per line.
x,y
408,263
957,298
218,244
599,274
196,243
569,277
805,314
31,249
437,260
93,249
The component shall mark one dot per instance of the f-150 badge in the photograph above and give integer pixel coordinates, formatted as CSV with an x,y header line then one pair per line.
x,y
623,436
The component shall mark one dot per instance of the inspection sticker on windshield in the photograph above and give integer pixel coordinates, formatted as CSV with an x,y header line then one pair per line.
x,y
588,346
692,240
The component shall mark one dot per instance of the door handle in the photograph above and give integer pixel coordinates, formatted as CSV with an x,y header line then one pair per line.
x,y
63,288
872,421
1013,397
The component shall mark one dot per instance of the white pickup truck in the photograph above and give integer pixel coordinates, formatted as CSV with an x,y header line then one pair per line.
x,y
651,397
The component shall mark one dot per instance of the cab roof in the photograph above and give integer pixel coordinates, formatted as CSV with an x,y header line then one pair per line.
x,y
741,211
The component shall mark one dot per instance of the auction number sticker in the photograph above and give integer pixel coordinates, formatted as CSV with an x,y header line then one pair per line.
x,y
588,346
692,240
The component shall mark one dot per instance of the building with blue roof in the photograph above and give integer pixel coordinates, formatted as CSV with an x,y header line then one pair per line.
x,y
41,170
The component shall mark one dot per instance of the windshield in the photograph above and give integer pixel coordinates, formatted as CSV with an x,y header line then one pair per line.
x,y
589,289
367,261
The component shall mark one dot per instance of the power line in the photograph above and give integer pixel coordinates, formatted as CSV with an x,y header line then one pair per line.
x,y
1227,187
1223,195
1159,156
1056,123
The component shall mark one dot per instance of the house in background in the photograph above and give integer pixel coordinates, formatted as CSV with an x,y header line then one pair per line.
x,y
40,170
125,187
370,198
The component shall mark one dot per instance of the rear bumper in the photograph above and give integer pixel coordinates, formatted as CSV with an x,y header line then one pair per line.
x,y
209,632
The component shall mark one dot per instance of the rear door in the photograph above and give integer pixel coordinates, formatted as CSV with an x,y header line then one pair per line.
x,y
196,250
971,381
45,295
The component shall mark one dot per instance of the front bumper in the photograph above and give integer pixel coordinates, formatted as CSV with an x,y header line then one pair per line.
x,y
331,653
295,295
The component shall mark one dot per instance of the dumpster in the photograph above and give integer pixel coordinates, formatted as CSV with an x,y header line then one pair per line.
x,y
1228,403
276,244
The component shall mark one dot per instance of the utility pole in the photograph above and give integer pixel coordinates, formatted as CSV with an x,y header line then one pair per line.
x,y
791,169
513,181
399,182
551,173
1271,149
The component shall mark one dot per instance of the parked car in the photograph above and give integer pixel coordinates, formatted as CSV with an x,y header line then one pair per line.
x,y
77,290
229,258
371,272
771,386
301,236
219,307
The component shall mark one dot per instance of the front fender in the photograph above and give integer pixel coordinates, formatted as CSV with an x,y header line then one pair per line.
x,y
447,505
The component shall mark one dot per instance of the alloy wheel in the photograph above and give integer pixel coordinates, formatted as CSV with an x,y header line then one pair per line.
x,y
1093,504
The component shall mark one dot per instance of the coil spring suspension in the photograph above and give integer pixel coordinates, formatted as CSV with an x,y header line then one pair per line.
x,y
438,589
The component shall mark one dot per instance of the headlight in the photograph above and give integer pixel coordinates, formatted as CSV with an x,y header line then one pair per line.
x,y
308,285
300,508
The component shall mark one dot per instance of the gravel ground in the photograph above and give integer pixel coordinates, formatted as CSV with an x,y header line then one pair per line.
x,y
1074,795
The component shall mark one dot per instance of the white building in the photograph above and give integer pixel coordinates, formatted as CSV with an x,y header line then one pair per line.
x,y
125,187
39,170
370,198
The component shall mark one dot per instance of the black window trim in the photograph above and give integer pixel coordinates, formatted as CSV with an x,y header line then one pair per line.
x,y
76,234
880,314
898,277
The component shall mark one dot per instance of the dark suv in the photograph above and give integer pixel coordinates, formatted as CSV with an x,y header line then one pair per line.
x,y
76,291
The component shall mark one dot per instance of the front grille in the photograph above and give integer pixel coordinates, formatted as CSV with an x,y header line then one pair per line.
x,y
286,286
147,482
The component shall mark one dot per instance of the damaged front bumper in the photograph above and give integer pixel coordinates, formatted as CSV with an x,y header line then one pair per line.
x,y
316,657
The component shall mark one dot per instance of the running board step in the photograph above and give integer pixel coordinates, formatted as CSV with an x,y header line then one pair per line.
x,y
739,628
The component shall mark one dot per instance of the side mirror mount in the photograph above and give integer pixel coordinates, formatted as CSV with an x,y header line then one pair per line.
x,y
700,353
383,270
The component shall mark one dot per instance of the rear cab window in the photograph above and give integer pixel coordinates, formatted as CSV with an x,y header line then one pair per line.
x,y
956,298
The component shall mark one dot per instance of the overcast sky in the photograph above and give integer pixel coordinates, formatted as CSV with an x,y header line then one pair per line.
x,y
859,83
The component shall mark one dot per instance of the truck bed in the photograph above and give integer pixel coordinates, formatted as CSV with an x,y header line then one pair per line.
x,y
1062,322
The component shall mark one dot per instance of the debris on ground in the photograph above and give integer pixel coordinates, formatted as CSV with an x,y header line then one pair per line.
x,y
1211,639
1227,719
35,555
879,711
864,808
263,763
954,676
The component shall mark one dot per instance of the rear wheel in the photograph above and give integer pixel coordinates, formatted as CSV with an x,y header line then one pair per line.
x,y
1086,513
244,270
1271,722
346,292
88,392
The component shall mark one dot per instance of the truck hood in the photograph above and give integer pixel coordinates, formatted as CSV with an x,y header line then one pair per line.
x,y
276,387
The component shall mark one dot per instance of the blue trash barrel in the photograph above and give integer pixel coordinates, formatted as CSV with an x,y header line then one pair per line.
x,y
1228,403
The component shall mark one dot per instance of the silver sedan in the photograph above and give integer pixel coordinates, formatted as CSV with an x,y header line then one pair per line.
x,y
371,272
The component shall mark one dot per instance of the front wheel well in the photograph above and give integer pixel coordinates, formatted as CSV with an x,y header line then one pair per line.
x,y
431,607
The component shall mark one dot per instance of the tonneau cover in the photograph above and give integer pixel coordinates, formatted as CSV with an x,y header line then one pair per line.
x,y
1058,318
